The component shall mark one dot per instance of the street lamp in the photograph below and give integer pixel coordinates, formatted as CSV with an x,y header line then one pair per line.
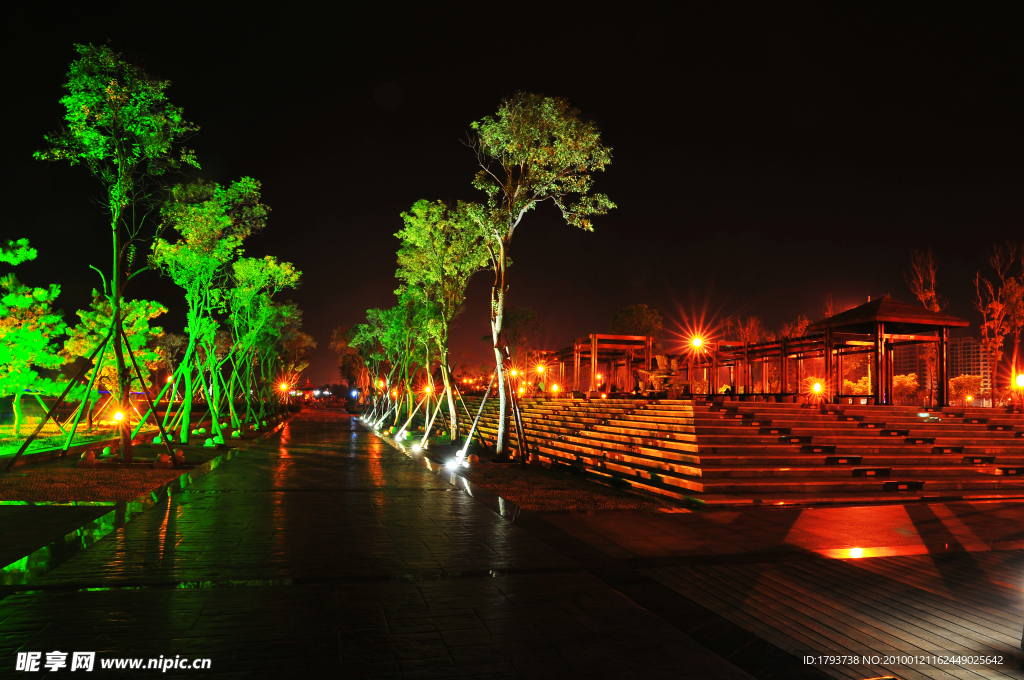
x,y
697,342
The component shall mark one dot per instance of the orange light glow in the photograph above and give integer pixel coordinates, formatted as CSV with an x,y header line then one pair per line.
x,y
970,398
394,393
598,376
381,384
521,390
428,389
1020,380
513,372
604,396
817,387
170,379
697,342
118,416
540,369
856,552
554,388
284,387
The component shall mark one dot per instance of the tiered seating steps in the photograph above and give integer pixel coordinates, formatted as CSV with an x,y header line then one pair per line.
x,y
750,452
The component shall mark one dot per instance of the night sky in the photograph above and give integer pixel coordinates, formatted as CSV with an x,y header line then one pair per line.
x,y
761,161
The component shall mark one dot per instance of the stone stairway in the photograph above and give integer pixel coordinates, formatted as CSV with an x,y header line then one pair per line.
x,y
756,452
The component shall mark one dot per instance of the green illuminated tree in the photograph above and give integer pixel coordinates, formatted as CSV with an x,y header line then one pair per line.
x,y
211,222
442,248
535,149
250,301
142,340
28,329
120,125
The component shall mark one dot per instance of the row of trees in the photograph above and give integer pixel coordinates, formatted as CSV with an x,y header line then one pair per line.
x,y
536,149
239,341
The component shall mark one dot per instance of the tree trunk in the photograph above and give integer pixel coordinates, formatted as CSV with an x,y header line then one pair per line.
x,y
18,415
186,399
497,316
453,413
124,377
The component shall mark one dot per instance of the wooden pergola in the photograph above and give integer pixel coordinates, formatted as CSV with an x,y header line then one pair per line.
x,y
614,350
875,328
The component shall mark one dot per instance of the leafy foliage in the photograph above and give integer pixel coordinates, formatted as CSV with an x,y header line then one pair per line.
x,y
541,150
964,386
119,124
94,325
28,328
637,320
904,387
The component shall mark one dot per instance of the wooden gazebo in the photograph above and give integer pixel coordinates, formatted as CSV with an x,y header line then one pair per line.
x,y
878,327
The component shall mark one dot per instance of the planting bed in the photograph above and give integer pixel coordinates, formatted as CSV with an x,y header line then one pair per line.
x,y
539,489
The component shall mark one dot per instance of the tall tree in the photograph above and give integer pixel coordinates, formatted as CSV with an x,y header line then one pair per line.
x,y
991,302
121,126
211,222
924,267
639,320
442,248
535,149
28,328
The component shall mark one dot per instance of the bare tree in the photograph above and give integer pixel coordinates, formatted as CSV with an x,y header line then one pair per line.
x,y
921,278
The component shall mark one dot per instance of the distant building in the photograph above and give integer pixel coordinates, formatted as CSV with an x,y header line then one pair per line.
x,y
967,357
907,359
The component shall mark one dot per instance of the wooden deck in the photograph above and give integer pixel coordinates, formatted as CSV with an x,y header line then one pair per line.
x,y
923,605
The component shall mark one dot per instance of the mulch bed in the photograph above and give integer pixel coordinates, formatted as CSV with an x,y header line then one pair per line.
x,y
66,484
539,489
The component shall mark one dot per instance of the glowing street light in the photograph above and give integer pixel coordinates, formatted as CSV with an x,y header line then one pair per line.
x,y
1020,380
284,387
697,342
521,390
170,378
380,384
540,369
554,388
118,416
817,388
970,398
514,373
427,390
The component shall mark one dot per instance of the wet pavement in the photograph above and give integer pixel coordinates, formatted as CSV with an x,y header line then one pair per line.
x,y
324,552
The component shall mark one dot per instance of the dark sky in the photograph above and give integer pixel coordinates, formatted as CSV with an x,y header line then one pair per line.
x,y
761,160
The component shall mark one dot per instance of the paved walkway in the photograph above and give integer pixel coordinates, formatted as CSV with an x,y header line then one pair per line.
x,y
325,553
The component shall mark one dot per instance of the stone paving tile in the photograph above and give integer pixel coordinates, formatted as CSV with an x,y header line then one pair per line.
x,y
325,553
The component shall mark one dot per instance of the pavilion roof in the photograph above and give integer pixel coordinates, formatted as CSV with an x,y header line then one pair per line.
x,y
898,316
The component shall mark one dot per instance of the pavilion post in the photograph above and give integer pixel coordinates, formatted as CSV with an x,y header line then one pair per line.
x,y
943,368
783,367
877,360
827,356
576,365
593,362
889,378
